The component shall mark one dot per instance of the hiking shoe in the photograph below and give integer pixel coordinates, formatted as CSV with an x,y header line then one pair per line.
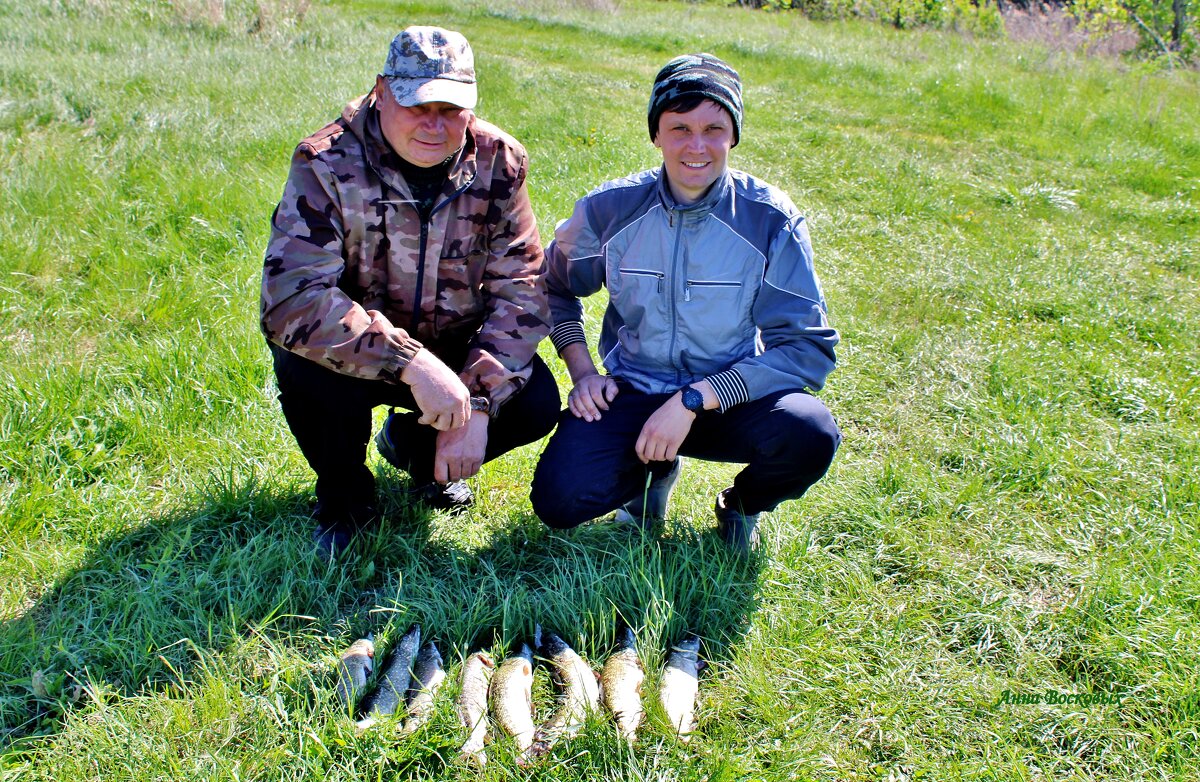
x,y
737,528
650,507
383,444
453,497
337,530
332,540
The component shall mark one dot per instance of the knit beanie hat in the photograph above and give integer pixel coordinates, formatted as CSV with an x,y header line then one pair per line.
x,y
697,74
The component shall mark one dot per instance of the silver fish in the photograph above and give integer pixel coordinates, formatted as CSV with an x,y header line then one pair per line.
x,y
621,685
680,683
473,704
580,692
354,668
393,683
511,696
428,676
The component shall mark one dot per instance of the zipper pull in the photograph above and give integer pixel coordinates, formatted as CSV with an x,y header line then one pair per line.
x,y
661,277
687,291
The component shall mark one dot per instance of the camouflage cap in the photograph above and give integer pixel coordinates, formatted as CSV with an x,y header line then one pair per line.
x,y
427,64
701,75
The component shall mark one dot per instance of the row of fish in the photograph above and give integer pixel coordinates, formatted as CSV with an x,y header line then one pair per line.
x,y
413,674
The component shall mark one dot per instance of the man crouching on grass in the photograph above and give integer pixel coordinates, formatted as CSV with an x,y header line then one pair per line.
x,y
405,269
715,337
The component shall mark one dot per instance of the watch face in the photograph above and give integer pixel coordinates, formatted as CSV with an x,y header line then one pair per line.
x,y
693,400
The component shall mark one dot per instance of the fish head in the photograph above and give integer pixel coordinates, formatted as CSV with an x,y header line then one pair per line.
x,y
363,647
689,645
625,638
549,644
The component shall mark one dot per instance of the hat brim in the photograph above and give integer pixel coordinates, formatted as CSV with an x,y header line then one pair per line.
x,y
414,92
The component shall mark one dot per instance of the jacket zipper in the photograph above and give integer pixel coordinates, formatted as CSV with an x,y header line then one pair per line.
x,y
416,315
646,273
671,216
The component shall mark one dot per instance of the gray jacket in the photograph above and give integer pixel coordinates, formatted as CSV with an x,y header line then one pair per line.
x,y
722,289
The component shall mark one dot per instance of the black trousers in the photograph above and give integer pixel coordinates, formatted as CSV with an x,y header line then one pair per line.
x,y
787,441
329,414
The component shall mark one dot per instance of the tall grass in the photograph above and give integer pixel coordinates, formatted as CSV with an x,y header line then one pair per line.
x,y
1006,236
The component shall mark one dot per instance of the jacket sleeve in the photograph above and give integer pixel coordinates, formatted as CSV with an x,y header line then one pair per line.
x,y
797,340
514,287
576,270
302,308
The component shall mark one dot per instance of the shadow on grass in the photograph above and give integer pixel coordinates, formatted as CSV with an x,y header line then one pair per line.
x,y
150,610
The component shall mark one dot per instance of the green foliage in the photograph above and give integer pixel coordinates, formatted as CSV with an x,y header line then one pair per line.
x,y
1154,20
980,18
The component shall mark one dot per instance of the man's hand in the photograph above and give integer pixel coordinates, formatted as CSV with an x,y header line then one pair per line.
x,y
444,401
664,431
591,395
460,451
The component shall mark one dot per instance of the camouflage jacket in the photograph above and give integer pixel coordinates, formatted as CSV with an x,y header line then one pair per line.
x,y
354,281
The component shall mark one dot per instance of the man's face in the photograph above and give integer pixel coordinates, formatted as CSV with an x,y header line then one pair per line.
x,y
695,147
424,135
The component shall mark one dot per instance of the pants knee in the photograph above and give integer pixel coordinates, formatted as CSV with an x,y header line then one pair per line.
x,y
808,439
554,507
558,496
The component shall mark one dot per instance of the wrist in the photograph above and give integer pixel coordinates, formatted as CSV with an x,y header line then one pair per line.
x,y
576,380
415,366
692,399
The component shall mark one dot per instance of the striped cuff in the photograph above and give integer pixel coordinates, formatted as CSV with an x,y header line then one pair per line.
x,y
567,333
730,388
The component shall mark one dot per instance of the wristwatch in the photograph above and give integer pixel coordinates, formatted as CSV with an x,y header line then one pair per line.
x,y
481,404
692,399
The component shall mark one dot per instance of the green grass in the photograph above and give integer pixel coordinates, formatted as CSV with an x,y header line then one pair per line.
x,y
1006,236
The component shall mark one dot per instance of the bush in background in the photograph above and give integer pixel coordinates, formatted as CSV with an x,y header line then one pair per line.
x,y
1165,27
979,17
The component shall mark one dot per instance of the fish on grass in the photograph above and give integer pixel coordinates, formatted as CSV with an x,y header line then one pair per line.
x,y
511,696
427,677
579,692
680,683
354,668
621,685
394,680
472,705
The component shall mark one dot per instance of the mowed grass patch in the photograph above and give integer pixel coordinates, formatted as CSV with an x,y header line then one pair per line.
x,y
1005,236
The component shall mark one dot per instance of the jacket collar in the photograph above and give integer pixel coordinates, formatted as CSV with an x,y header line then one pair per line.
x,y
690,213
363,121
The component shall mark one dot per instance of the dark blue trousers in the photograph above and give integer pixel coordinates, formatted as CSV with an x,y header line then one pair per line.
x,y
787,441
329,414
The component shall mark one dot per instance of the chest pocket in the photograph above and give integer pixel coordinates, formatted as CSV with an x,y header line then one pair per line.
x,y
721,281
458,305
